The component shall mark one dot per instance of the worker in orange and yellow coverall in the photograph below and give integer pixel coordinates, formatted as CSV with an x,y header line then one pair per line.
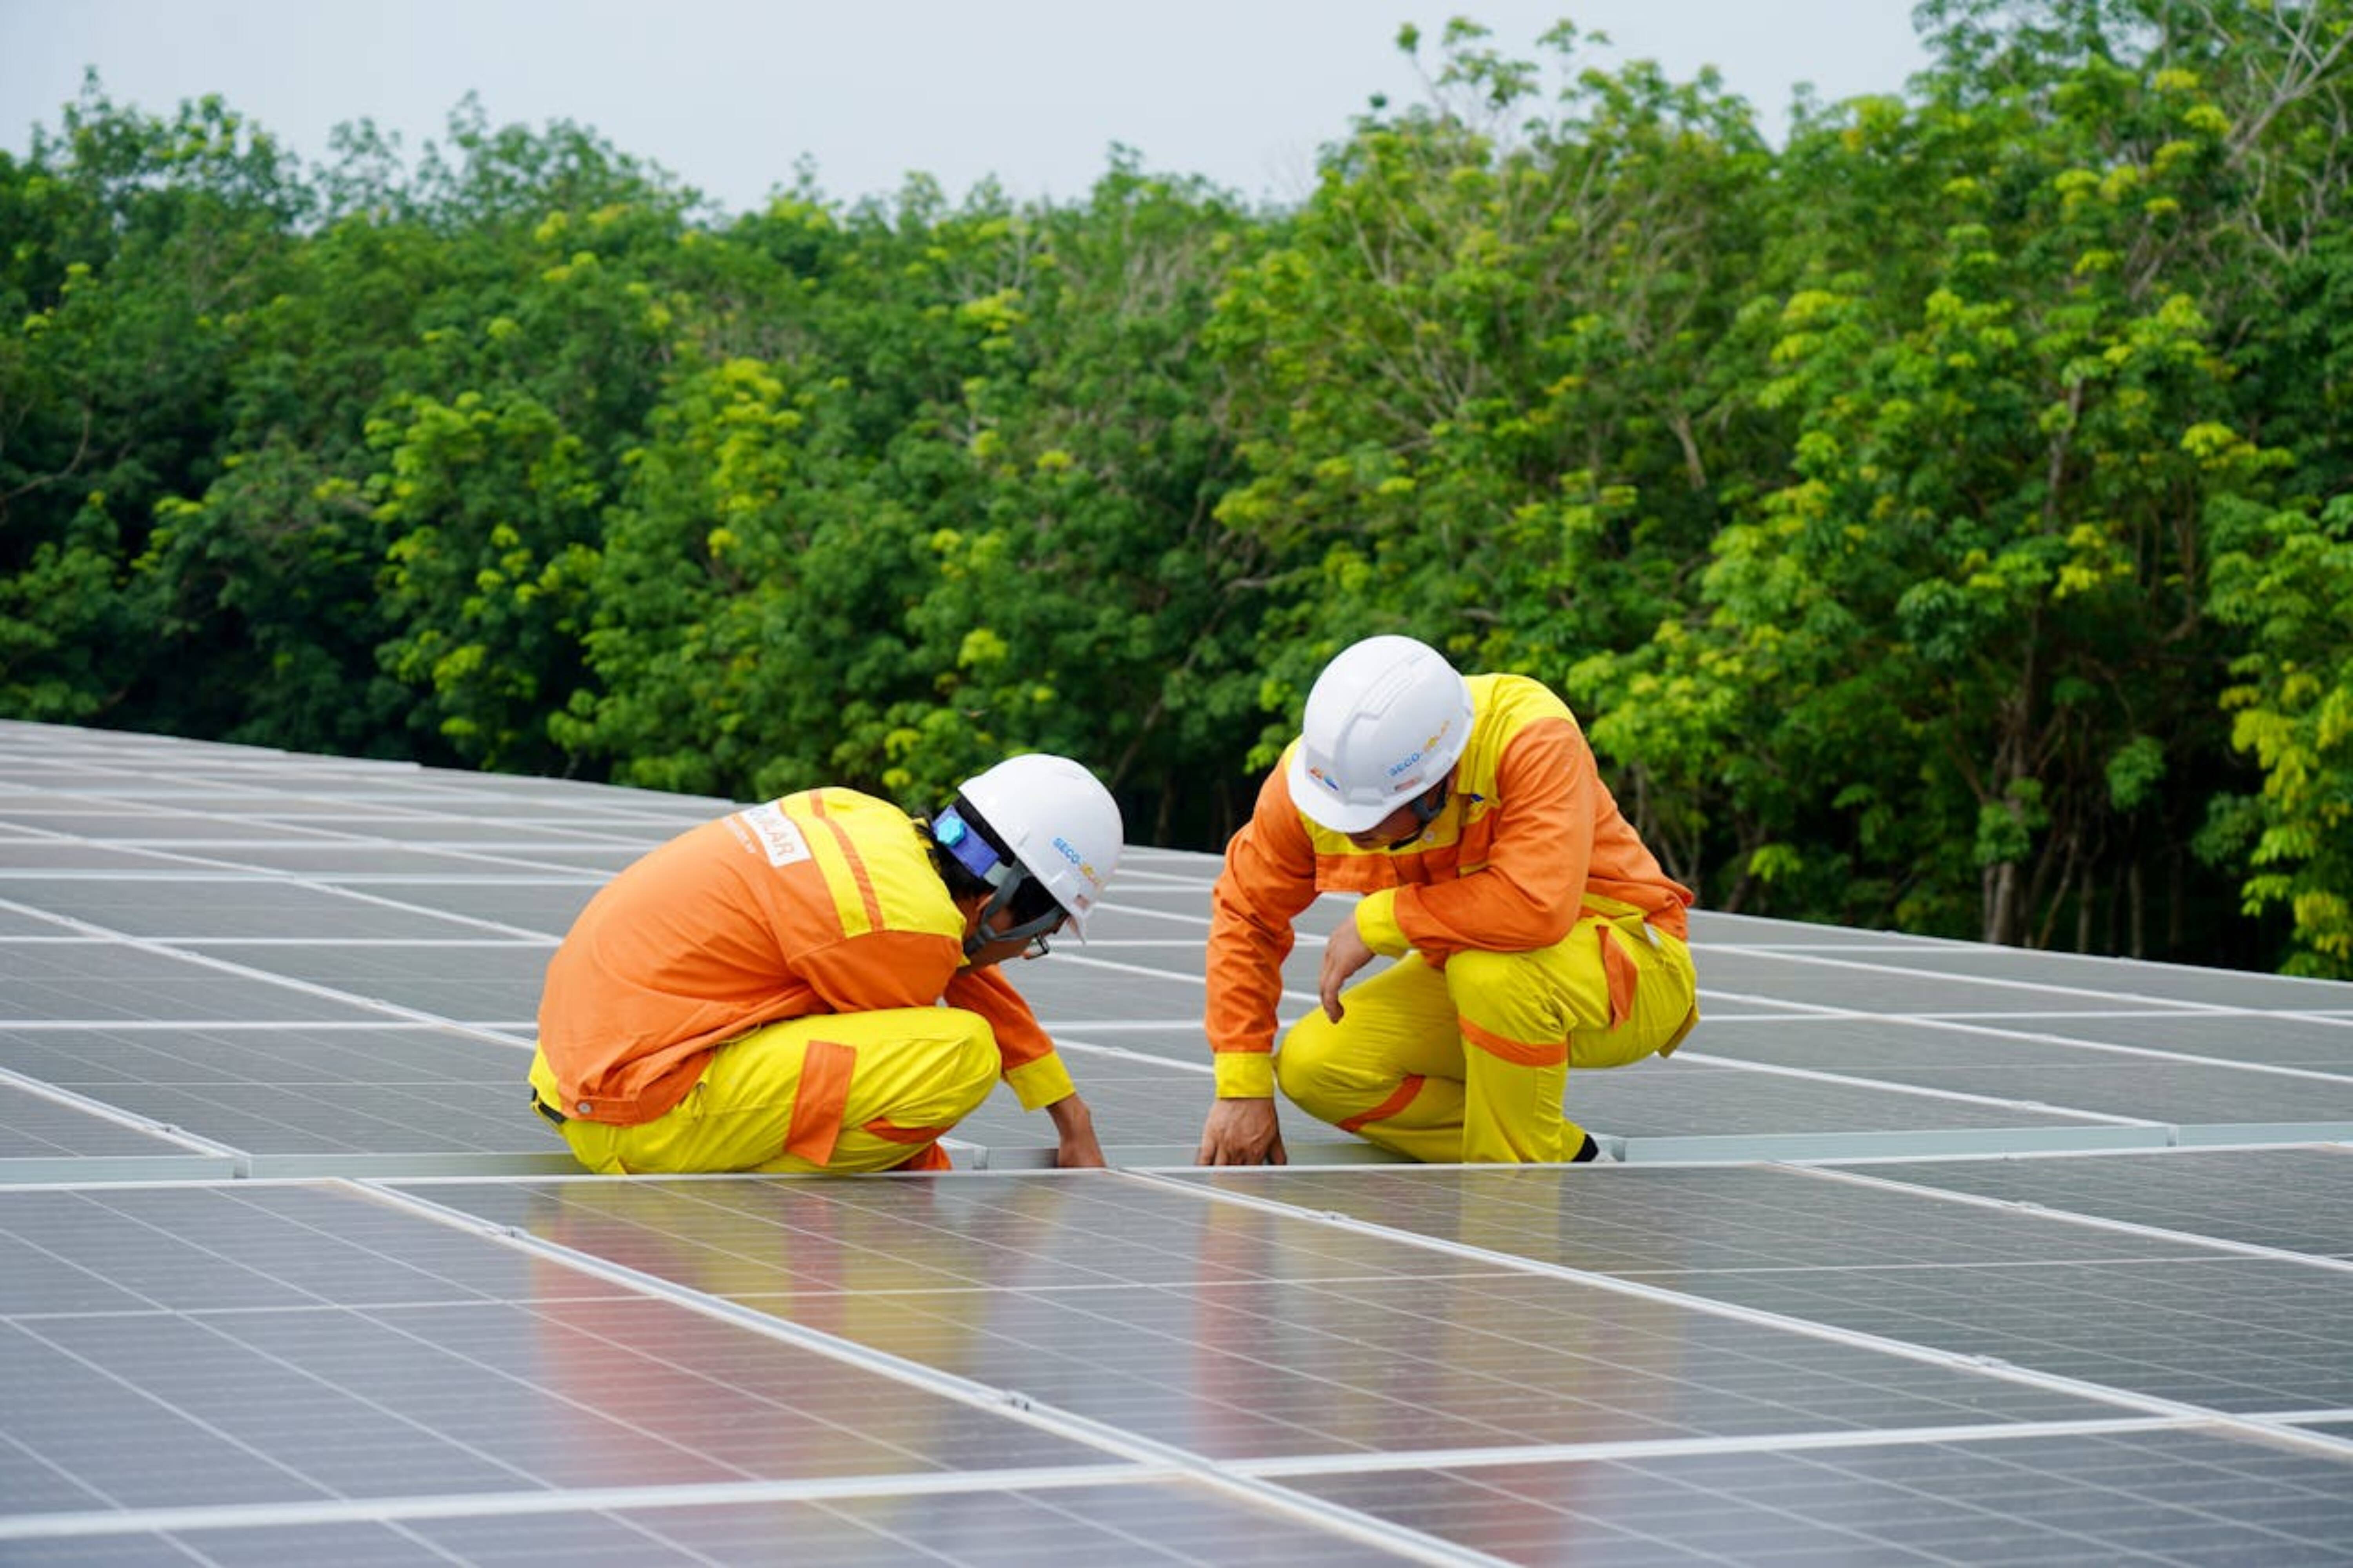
x,y
1533,931
761,993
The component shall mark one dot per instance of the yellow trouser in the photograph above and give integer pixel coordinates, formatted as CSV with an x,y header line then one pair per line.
x,y
1469,1063
837,1092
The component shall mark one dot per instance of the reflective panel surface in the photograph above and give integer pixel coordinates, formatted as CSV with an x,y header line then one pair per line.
x,y
1919,1252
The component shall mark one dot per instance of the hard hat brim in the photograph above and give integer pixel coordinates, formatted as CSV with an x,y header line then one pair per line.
x,y
1317,804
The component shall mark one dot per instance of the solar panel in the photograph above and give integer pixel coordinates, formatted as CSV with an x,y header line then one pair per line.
x,y
1919,1251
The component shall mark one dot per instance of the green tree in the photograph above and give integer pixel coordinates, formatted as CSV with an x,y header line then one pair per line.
x,y
2288,577
1090,602
1940,521
956,506
268,579
1975,679
131,240
1477,381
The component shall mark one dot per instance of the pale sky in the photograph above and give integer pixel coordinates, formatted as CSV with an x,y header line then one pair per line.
x,y
725,94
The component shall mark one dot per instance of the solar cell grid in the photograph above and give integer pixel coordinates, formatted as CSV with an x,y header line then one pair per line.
x,y
2295,1200
1925,1252
35,1126
2017,1500
2092,978
2087,1081
359,861
2313,1041
28,856
240,906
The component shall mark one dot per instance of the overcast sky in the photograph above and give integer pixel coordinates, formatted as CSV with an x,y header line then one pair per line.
x,y
725,94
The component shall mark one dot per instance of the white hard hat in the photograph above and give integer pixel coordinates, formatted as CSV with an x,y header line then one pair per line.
x,y
1386,720
1057,822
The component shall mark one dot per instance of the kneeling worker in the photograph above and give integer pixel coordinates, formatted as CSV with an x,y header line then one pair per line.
x,y
1533,931
761,993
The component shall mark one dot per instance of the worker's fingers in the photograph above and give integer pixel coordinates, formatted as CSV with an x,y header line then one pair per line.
x,y
1327,990
1344,953
1241,1132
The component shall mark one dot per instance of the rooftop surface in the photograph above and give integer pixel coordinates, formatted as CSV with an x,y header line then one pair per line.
x,y
1917,1252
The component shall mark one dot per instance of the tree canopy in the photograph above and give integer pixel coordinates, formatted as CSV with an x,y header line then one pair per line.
x,y
1942,520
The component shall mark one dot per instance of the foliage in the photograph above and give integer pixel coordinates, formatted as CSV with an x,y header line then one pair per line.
x,y
1940,520
2287,578
1477,383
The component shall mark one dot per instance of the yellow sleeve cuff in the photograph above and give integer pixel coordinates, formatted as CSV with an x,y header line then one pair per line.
x,y
1377,923
1041,1082
1245,1074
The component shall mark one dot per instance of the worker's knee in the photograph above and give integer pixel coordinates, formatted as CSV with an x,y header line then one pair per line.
x,y
1304,1067
971,1063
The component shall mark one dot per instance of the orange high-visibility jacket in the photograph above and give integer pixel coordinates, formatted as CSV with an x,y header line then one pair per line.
x,y
825,901
1529,829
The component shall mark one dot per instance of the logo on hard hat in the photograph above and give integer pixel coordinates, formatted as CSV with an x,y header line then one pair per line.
x,y
1424,749
1086,868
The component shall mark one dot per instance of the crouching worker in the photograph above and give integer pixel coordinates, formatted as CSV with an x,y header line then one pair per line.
x,y
1534,932
762,993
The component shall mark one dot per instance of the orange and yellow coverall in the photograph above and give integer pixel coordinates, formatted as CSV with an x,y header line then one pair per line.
x,y
761,994
1534,932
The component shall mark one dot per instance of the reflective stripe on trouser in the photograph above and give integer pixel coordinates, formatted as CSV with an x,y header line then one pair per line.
x,y
1469,1063
839,1092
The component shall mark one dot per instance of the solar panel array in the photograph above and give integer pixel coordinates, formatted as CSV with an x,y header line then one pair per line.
x,y
1917,1252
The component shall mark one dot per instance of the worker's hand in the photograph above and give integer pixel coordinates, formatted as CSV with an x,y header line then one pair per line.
x,y
1241,1132
1344,953
1075,1126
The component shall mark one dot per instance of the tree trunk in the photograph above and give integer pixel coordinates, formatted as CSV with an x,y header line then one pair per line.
x,y
2000,901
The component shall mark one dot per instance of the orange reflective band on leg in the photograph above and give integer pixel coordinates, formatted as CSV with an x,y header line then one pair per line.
x,y
891,1132
820,1100
1551,1054
932,1157
1623,975
1388,1108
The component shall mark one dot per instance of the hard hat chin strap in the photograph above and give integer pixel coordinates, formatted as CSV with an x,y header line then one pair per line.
x,y
983,934
1425,808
